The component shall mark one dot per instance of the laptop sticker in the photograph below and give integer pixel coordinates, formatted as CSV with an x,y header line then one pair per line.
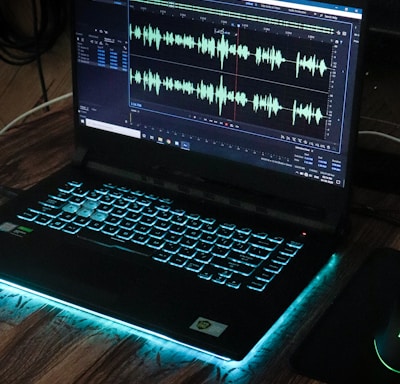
x,y
14,229
208,326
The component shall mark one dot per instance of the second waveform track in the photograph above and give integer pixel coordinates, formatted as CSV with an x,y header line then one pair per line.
x,y
220,94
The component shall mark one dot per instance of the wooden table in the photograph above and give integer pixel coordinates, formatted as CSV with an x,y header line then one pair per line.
x,y
45,342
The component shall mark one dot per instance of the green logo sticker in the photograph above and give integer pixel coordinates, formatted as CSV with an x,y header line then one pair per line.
x,y
210,327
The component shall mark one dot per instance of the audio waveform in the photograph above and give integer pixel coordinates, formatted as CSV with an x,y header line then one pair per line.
x,y
221,95
221,48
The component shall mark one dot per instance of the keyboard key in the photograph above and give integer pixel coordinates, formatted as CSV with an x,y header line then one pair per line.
x,y
171,247
219,279
273,266
259,252
28,215
225,232
125,234
162,225
223,242
133,216
264,243
112,220
180,220
140,238
67,217
232,265
204,247
157,233
53,203
240,237
91,204
94,195
289,251
79,192
84,212
71,208
71,228
127,224
177,261
57,224
177,229
210,228
193,233
61,196
203,257
281,259
265,276
99,216
82,221
187,253
155,243
162,256
67,188
96,225
43,220
295,244
134,207
233,283
194,266
105,208
220,251
46,211
245,259
240,247
110,229
257,285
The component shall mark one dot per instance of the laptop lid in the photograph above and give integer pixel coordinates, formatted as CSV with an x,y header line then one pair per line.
x,y
258,97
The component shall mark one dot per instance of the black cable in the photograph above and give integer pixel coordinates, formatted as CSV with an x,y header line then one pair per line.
x,y
36,32
21,47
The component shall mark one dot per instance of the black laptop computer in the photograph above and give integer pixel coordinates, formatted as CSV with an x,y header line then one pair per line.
x,y
211,176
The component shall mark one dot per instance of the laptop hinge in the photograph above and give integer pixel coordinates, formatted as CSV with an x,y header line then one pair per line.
x,y
79,158
310,219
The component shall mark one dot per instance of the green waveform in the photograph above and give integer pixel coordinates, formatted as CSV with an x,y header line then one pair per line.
x,y
271,56
307,111
221,95
222,49
311,63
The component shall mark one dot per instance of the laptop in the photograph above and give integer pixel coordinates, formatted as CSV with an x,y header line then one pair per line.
x,y
211,178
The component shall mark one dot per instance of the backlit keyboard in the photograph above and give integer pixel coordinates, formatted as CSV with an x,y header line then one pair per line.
x,y
147,224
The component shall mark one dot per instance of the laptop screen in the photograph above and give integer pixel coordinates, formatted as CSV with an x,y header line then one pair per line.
x,y
266,83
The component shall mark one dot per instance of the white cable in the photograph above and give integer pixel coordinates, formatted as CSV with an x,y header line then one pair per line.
x,y
387,122
33,110
380,134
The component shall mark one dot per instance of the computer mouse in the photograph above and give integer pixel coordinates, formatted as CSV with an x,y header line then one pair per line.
x,y
387,340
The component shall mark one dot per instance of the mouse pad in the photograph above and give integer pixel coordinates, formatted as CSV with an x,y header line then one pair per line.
x,y
340,348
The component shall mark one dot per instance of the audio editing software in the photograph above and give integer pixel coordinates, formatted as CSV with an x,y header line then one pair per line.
x,y
261,82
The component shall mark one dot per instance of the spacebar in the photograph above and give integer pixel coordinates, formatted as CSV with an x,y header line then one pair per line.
x,y
110,242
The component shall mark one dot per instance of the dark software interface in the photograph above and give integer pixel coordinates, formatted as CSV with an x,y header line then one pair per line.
x,y
259,82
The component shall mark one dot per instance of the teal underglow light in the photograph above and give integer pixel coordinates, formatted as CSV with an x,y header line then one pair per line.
x,y
115,322
288,319
236,370
382,361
